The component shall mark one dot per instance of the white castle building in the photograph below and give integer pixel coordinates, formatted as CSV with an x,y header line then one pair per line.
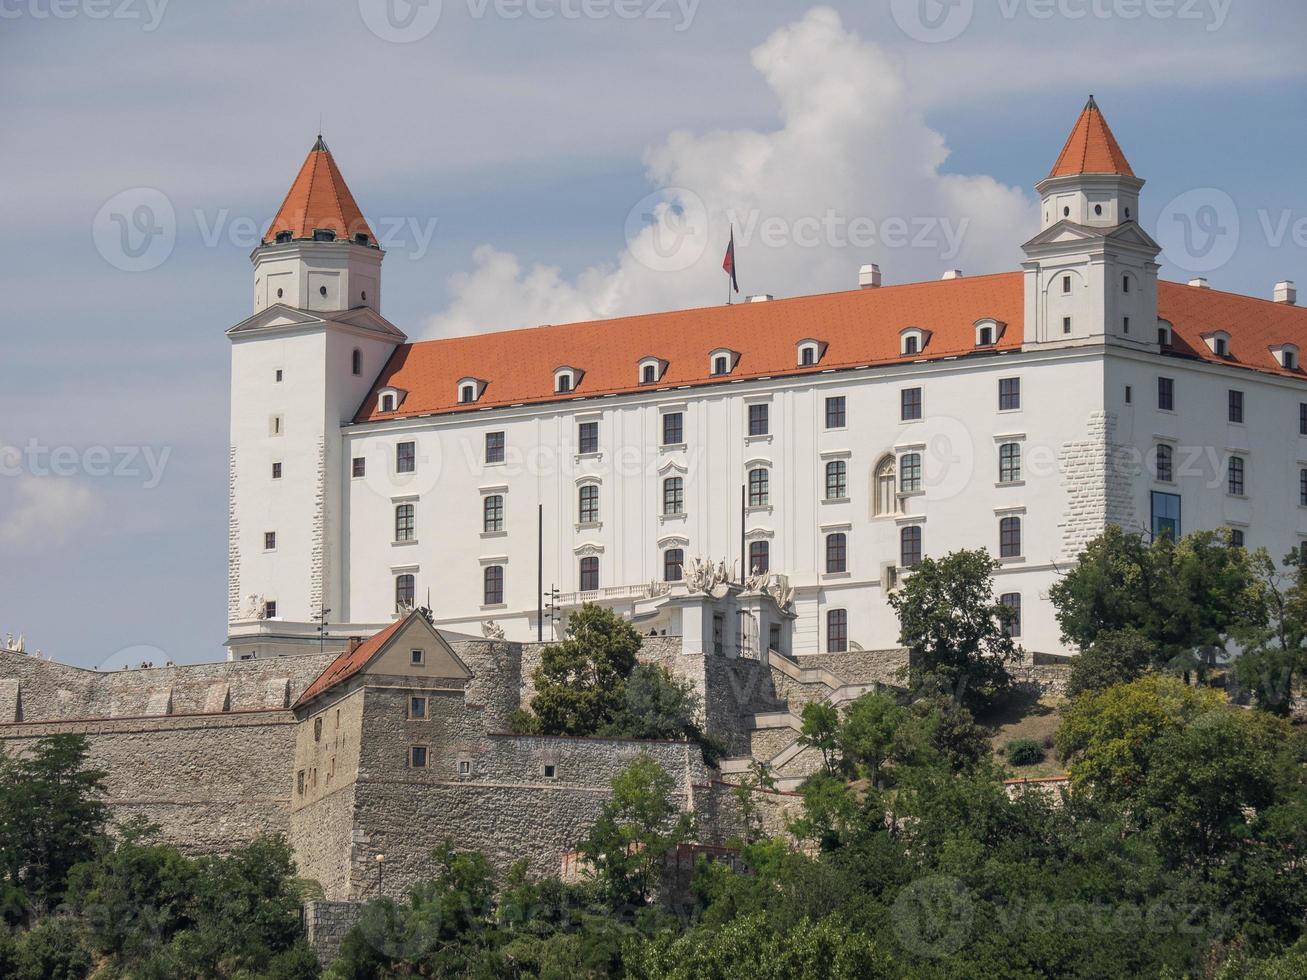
x,y
825,441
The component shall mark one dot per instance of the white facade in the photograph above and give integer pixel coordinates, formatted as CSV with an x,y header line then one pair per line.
x,y
1057,438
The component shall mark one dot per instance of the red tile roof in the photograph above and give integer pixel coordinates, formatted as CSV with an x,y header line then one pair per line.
x,y
319,199
1091,148
860,327
351,662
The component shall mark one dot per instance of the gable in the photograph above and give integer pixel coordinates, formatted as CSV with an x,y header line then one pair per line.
x,y
439,661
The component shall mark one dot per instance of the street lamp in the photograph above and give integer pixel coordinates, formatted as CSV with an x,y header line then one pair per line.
x,y
381,859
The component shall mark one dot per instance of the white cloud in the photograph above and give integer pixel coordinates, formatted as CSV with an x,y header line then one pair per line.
x,y
851,175
43,512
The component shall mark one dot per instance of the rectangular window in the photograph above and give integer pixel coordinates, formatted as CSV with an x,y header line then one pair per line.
x,y
718,634
1129,394
1125,324
1165,468
837,487
1236,538
910,404
759,487
269,608
774,637
1066,284
759,557
910,473
494,447
673,496
404,589
758,420
1166,394
1009,537
417,756
494,585
587,511
417,658
835,412
1012,602
1009,462
1235,472
673,429
1236,406
910,546
1166,515
269,540
1302,419
837,553
406,457
464,767
279,375
493,518
673,564
417,708
550,770
589,574
1302,488
587,437
1066,324
276,471
404,522
837,630
359,467
1009,394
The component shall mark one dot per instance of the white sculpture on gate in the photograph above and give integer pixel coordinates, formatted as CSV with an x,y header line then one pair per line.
x,y
701,575
255,607
492,630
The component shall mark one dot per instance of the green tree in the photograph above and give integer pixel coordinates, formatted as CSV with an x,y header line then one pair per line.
x,y
52,816
659,706
955,629
581,682
1273,662
1116,657
820,729
869,734
635,830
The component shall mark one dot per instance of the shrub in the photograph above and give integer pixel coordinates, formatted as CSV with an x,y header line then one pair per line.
x,y
1024,752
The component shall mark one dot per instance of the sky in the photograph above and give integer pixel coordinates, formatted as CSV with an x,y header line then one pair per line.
x,y
525,162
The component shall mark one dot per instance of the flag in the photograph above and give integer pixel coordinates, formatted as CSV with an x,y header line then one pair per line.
x,y
728,263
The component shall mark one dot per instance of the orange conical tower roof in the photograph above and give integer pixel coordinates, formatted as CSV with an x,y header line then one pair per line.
x,y
319,199
1091,148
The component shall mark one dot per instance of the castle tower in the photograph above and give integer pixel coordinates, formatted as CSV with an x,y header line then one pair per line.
x,y
301,366
1091,274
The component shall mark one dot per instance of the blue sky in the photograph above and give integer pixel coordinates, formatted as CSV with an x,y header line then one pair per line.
x,y
507,145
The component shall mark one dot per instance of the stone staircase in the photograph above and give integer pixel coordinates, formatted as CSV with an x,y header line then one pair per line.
x,y
774,735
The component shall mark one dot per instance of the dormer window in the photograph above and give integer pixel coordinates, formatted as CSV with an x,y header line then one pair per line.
x,y
1218,342
323,235
1286,355
283,237
810,352
912,341
566,379
389,399
988,331
361,238
469,390
722,361
651,370
1163,333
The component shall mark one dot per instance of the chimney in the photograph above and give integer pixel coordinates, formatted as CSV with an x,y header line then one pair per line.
x,y
354,643
1199,283
869,277
1287,293
952,274
761,298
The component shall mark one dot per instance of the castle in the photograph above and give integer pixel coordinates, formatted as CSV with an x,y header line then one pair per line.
x,y
827,441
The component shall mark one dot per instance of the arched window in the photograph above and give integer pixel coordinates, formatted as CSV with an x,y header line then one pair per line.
x,y
1009,537
494,585
1009,462
837,484
649,374
837,552
356,361
759,557
588,504
673,564
467,393
387,403
494,513
673,496
404,585
759,487
885,492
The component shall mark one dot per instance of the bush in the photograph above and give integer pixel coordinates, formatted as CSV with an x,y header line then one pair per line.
x,y
1024,752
